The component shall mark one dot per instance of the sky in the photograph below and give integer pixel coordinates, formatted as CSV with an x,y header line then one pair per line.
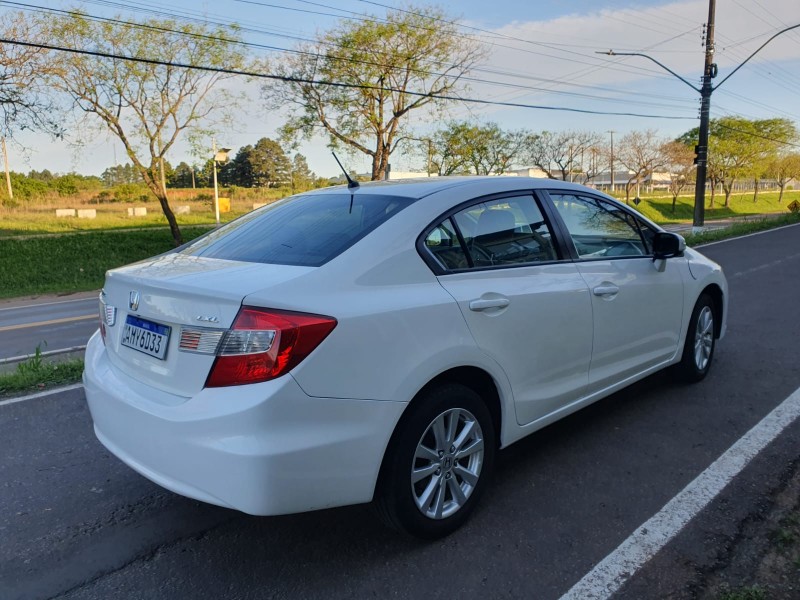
x,y
538,53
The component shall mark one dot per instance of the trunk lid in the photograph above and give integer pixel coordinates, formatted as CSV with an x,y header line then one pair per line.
x,y
157,301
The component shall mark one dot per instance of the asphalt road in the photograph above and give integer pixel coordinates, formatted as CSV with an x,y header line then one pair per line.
x,y
52,323
77,524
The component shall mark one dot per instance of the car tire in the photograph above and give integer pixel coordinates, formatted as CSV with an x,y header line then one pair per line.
x,y
439,461
698,349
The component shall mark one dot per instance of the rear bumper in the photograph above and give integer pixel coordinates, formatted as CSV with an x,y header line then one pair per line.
x,y
263,449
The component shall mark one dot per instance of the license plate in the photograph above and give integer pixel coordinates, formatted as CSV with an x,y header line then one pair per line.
x,y
146,336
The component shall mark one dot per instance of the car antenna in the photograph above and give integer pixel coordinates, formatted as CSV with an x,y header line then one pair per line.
x,y
351,183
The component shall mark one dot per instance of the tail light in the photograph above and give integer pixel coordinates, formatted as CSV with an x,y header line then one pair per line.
x,y
264,344
108,315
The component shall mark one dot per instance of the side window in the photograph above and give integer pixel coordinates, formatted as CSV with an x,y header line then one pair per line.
x,y
599,229
506,232
443,243
497,233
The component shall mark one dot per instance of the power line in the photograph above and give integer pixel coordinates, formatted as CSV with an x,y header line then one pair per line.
x,y
196,35
287,79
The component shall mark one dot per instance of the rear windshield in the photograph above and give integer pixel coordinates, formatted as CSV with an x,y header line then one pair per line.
x,y
305,230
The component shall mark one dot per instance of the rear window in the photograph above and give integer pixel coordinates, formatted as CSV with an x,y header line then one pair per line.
x,y
305,230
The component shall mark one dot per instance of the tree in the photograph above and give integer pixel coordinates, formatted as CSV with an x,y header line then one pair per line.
x,y
783,169
24,102
462,147
738,147
359,82
679,161
302,177
182,176
270,166
558,153
641,153
147,106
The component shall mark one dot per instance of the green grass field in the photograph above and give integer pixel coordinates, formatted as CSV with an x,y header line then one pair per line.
x,y
659,208
76,262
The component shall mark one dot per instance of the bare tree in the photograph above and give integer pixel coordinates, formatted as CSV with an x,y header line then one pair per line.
x,y
641,153
146,106
561,154
783,169
679,161
359,82
24,103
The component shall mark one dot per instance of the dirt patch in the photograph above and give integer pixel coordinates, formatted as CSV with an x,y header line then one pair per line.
x,y
765,563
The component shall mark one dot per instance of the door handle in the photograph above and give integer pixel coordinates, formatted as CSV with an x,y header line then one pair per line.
x,y
605,290
486,303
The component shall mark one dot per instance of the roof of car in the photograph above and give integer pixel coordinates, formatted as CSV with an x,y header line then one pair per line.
x,y
424,186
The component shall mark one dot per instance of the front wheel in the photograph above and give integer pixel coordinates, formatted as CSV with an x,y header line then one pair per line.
x,y
438,463
698,350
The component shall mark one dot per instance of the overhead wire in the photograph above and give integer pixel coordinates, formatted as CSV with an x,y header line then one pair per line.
x,y
287,79
525,88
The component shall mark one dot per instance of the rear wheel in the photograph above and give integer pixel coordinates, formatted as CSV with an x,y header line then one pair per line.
x,y
698,350
438,463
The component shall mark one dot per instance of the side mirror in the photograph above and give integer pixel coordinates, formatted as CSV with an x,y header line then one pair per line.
x,y
667,245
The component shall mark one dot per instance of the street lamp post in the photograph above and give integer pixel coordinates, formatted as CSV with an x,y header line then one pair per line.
x,y
705,91
220,155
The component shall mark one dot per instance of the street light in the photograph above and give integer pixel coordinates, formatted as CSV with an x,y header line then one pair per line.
x,y
221,156
709,73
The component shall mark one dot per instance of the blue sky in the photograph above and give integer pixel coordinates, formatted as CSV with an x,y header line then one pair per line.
x,y
540,53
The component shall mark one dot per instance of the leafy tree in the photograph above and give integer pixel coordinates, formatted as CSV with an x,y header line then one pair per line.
x,y
147,106
24,102
557,153
783,169
445,149
641,153
119,174
302,177
396,65
462,147
182,176
739,147
679,161
270,166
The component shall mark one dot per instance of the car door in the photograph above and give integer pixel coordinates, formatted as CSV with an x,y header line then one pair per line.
x,y
526,306
637,302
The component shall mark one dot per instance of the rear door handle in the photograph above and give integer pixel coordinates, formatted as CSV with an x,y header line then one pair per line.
x,y
605,290
486,303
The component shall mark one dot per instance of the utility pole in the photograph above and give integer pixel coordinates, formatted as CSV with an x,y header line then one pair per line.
x,y
612,160
709,72
8,173
216,189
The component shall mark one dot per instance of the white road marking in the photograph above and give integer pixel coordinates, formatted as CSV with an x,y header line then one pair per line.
x,y
774,263
66,388
614,570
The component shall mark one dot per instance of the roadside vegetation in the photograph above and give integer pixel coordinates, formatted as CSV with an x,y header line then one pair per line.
x,y
36,374
71,263
743,228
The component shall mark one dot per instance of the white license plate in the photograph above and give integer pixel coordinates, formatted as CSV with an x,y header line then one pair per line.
x,y
146,336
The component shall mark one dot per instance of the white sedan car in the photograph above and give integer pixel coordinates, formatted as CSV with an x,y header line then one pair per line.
x,y
382,342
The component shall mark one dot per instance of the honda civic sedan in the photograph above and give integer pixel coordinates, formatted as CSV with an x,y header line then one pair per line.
x,y
381,343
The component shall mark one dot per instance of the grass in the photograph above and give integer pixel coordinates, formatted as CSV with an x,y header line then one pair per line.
x,y
659,208
36,374
743,228
744,593
71,263
38,217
